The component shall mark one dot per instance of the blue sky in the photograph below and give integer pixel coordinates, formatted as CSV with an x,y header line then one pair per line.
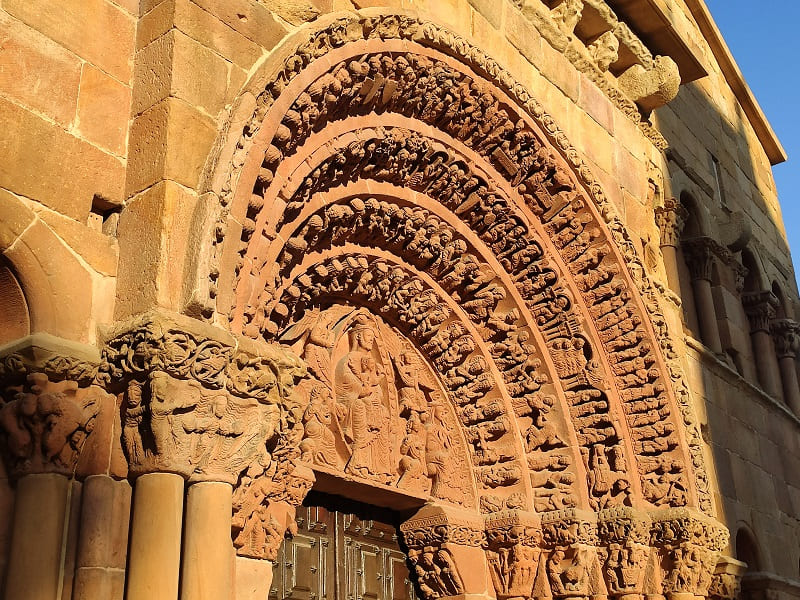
x,y
763,39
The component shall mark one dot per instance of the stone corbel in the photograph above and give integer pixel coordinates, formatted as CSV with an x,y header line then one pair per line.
x,y
440,540
52,402
653,87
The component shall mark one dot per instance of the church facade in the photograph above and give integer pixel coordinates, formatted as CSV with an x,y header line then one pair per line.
x,y
383,299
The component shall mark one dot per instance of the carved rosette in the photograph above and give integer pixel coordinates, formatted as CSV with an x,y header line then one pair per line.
x,y
442,540
760,308
671,219
786,334
50,401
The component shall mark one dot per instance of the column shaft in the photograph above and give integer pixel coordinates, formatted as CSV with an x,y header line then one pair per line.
x,y
670,256
706,314
103,543
37,538
791,388
155,550
766,364
207,572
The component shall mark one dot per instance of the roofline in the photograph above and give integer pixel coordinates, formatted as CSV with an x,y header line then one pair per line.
x,y
733,75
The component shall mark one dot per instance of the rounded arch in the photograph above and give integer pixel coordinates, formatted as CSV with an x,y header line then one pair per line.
x,y
697,222
530,184
55,286
783,310
14,317
747,548
755,280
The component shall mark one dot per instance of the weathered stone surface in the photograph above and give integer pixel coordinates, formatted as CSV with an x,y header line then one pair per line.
x,y
77,171
38,73
103,110
68,23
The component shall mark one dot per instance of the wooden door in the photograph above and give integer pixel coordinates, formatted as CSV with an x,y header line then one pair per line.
x,y
343,550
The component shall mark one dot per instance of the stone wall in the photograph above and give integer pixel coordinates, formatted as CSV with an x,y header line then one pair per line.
x,y
115,115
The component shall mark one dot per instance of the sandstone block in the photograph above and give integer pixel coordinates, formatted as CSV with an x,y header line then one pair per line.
x,y
96,30
249,17
14,218
98,250
153,73
253,578
596,103
169,141
151,264
104,107
76,171
38,73
207,92
210,31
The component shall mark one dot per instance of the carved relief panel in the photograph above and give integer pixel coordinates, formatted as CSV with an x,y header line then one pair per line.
x,y
376,411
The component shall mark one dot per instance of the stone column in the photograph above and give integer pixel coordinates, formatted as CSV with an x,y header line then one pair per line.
x,y
37,535
103,540
46,425
671,219
207,570
786,335
699,255
760,310
155,549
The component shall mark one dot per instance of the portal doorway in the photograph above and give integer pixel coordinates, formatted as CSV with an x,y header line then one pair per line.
x,y
342,550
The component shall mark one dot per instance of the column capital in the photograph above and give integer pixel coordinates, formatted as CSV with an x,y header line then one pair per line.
x,y
671,219
50,404
727,579
199,402
786,334
760,308
700,253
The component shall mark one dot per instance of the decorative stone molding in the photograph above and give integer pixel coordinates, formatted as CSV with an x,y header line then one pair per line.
x,y
760,308
50,404
786,334
671,219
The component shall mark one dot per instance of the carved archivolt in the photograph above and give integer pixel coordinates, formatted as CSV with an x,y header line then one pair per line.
x,y
475,197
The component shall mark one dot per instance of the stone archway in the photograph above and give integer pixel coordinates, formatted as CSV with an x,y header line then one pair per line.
x,y
392,175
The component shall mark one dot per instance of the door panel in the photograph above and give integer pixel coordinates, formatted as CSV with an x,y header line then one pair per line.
x,y
342,551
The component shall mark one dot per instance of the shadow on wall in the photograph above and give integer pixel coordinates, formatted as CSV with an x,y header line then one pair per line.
x,y
739,298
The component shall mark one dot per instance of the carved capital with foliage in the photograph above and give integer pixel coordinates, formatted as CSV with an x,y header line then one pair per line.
x,y
700,254
50,404
786,333
760,308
